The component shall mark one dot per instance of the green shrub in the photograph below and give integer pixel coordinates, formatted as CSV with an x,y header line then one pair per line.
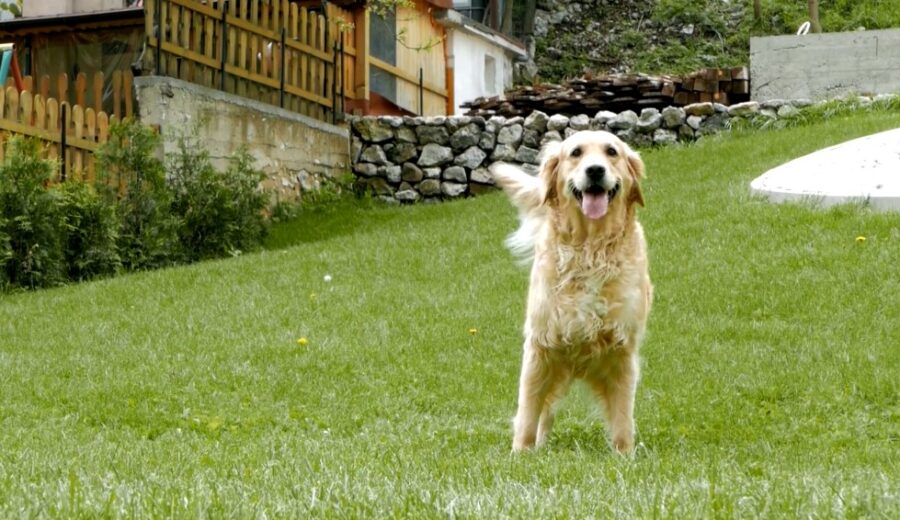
x,y
221,213
32,228
5,253
91,232
131,175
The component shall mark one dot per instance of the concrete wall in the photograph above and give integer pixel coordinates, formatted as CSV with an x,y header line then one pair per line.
x,y
818,66
295,151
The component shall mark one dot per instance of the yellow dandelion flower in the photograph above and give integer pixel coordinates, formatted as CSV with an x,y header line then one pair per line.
x,y
473,331
302,342
860,239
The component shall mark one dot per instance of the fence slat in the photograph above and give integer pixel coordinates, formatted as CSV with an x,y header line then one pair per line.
x,y
209,50
304,60
128,92
12,103
27,102
90,120
78,133
117,92
243,49
62,88
97,90
40,112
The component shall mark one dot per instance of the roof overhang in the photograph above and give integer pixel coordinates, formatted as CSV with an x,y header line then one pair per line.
x,y
455,20
37,23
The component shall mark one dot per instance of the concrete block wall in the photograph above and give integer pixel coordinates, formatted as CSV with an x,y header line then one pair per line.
x,y
296,152
820,66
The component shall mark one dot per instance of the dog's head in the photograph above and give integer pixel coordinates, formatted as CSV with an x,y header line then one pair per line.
x,y
592,176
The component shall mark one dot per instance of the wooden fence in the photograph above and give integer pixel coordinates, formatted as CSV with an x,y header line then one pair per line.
x,y
269,50
121,103
71,134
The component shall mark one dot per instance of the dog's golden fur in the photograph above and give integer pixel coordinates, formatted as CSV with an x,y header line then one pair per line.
x,y
590,292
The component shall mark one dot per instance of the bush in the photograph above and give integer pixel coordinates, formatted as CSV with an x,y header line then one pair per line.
x,y
5,253
221,213
133,217
91,232
131,176
32,227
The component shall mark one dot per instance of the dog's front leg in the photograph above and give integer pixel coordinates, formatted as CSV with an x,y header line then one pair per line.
x,y
617,394
533,388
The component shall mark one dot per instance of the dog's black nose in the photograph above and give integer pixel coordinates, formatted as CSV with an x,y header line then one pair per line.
x,y
595,173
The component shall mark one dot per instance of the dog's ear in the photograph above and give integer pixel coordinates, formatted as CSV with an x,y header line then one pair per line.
x,y
636,169
550,157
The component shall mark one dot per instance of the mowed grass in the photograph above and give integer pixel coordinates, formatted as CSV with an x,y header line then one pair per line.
x,y
770,373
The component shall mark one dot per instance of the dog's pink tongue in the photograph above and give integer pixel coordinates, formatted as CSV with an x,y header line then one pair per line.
x,y
594,205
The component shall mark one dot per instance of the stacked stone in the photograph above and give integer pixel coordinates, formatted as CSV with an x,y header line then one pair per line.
x,y
412,159
408,159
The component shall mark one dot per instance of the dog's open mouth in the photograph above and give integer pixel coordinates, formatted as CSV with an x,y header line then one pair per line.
x,y
595,200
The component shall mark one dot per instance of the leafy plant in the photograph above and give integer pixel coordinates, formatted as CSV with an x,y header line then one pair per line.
x,y
130,174
13,7
30,216
221,213
91,232
5,253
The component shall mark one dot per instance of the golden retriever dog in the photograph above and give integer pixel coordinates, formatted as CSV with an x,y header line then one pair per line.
x,y
589,294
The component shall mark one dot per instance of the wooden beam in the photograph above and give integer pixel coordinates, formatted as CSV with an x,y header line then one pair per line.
x,y
361,74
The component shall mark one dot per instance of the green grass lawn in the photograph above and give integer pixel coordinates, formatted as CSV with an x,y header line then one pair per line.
x,y
770,384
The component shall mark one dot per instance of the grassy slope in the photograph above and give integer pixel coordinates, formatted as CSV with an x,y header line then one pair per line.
x,y
770,384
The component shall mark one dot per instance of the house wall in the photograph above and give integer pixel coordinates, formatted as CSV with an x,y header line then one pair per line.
x,y
295,151
421,45
480,68
54,7
818,66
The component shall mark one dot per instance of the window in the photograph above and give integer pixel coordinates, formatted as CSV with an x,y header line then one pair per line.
x,y
490,75
383,45
474,9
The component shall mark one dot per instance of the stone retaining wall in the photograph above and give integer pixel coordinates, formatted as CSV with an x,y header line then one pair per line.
x,y
412,159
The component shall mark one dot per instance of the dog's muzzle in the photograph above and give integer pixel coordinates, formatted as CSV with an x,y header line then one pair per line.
x,y
595,199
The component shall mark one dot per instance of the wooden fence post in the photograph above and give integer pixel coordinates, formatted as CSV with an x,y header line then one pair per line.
x,y
62,141
224,46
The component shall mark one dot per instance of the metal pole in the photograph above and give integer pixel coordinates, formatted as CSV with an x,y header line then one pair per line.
x,y
224,45
281,88
62,144
158,37
421,93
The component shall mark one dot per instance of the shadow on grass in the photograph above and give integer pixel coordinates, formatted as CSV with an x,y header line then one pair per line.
x,y
351,216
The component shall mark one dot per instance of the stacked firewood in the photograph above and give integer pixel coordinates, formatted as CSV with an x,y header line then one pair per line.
x,y
726,86
616,93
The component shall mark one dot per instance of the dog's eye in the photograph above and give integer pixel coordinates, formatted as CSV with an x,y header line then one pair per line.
x,y
576,152
612,152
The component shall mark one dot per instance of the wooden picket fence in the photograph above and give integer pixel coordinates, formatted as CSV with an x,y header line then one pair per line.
x,y
270,50
121,103
70,133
